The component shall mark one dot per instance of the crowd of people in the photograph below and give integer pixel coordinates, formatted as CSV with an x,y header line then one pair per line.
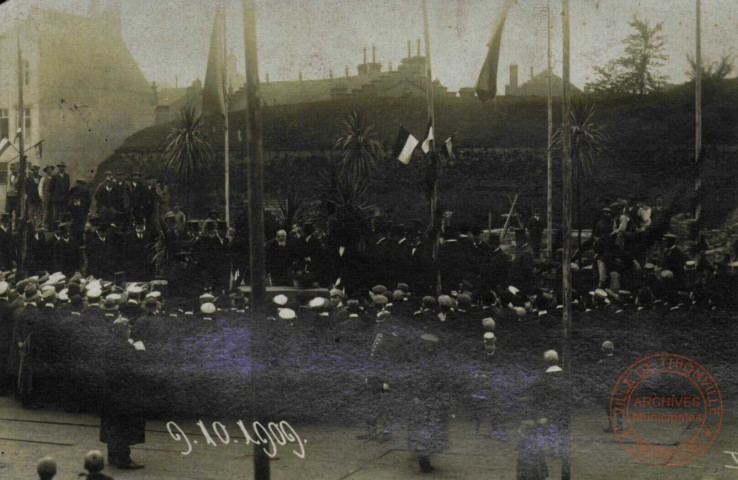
x,y
103,251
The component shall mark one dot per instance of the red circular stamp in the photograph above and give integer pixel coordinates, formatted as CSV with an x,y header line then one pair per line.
x,y
666,410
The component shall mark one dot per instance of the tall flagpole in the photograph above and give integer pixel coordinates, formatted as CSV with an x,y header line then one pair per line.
x,y
435,228
22,166
256,201
226,133
566,168
549,164
698,113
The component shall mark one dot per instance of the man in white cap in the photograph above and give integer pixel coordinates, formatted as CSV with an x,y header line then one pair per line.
x,y
340,312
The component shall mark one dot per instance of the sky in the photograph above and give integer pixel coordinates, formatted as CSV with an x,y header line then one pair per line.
x,y
170,38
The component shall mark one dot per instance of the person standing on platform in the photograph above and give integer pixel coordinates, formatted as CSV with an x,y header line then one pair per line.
x,y
12,201
535,232
60,185
45,192
79,208
33,200
138,248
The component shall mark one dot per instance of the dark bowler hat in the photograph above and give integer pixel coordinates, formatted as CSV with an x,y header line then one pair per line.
x,y
35,167
61,165
48,167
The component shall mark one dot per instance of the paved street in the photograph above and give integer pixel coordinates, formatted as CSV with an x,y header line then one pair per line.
x,y
332,453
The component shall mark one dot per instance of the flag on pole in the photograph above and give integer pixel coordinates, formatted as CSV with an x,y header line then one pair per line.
x,y
4,144
404,146
18,134
448,147
213,92
487,82
428,138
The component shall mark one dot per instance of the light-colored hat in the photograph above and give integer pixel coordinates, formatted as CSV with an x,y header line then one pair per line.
x,y
649,266
551,356
380,300
94,293
63,295
207,298
154,294
601,293
207,308
690,265
608,345
287,314
280,300
513,290
520,311
317,302
115,297
667,274
446,301
489,336
336,293
4,287
134,289
379,289
488,324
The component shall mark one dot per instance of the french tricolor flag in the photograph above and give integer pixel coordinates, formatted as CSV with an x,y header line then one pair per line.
x,y
405,146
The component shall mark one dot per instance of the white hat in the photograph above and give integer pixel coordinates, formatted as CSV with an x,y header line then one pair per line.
x,y
489,336
287,314
551,356
4,287
207,297
513,290
207,308
488,323
317,302
94,293
47,288
280,300
154,294
600,293
519,311
135,289
63,295
667,274
115,297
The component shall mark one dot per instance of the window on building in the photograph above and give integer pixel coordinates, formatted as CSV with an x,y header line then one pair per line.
x,y
4,123
27,116
27,72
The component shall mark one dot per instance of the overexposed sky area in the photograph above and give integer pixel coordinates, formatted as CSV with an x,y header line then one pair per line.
x,y
170,38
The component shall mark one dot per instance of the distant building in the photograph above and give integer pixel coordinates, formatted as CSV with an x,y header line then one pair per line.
x,y
537,85
83,92
169,101
408,80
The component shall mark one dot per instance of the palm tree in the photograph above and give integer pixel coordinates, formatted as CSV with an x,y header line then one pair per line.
x,y
588,141
188,151
294,208
358,149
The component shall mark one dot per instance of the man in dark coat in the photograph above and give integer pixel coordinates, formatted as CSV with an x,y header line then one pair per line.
x,y
7,243
280,259
60,185
66,250
121,424
99,252
535,232
6,337
138,193
138,248
33,199
207,251
79,207
24,335
108,198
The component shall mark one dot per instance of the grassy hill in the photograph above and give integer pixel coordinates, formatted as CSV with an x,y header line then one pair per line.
x,y
502,146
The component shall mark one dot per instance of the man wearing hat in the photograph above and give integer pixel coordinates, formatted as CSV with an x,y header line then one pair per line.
x,y
12,203
609,367
79,207
45,193
66,248
139,252
60,185
25,327
137,192
7,243
33,199
208,251
109,198
150,200
100,252
340,312
535,232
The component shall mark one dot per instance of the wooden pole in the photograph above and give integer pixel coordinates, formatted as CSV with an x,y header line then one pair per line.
x,y
566,261
226,161
255,195
22,167
549,163
698,113
435,227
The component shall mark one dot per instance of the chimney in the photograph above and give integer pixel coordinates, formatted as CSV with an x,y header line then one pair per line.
x,y
330,74
374,54
347,72
409,46
513,77
418,47
531,73
364,55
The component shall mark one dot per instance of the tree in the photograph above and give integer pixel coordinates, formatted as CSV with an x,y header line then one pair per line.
x,y
716,70
588,140
636,71
188,151
358,150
